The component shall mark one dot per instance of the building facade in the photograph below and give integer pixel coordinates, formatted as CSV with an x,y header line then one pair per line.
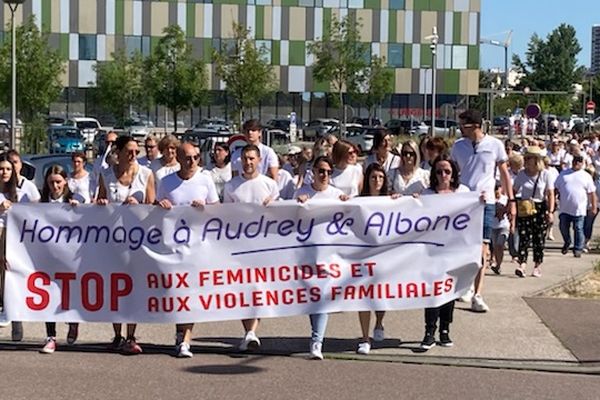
x,y
89,31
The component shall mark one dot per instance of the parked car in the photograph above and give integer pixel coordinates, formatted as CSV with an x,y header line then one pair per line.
x,y
55,121
196,136
442,128
501,124
36,166
362,137
137,128
365,121
88,127
402,126
217,124
5,135
64,139
320,127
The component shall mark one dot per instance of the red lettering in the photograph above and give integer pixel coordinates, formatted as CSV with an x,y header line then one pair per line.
x,y
182,280
85,291
205,301
287,296
115,293
153,304
424,292
370,266
335,270
321,271
44,295
448,284
65,277
437,288
315,294
183,306
355,270
152,281
301,293
203,276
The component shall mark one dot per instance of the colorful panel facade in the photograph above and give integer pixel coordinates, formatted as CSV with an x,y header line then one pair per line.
x,y
87,31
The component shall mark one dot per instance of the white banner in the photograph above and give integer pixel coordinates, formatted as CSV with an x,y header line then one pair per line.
x,y
234,261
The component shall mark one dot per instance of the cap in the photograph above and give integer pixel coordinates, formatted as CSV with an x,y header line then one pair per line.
x,y
294,150
533,151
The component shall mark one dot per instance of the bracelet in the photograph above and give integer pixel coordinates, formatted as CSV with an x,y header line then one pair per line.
x,y
512,200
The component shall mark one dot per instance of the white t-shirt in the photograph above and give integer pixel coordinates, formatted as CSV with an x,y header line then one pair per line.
x,y
347,179
118,193
477,163
286,183
220,176
552,175
256,190
418,182
330,193
268,159
144,161
81,188
503,222
556,158
392,161
27,192
182,192
574,187
161,171
460,189
524,184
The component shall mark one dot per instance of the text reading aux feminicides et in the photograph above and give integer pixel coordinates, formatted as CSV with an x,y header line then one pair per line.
x,y
378,224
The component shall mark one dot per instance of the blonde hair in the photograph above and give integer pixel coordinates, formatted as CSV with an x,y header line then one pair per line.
x,y
517,160
415,148
168,141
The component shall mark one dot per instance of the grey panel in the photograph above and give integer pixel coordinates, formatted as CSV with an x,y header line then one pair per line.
x,y
441,27
28,11
284,78
242,17
376,26
285,23
172,13
309,78
101,16
73,74
415,80
146,18
310,23
120,43
74,16
216,33
196,44
54,40
416,26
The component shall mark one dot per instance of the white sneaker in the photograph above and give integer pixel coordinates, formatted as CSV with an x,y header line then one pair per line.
x,y
183,350
315,350
50,346
17,331
478,305
378,335
249,342
467,297
364,348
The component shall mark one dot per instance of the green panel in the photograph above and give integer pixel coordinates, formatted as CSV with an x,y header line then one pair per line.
x,y
373,4
408,55
63,46
46,16
451,80
392,27
119,17
326,22
297,52
191,20
437,5
457,28
421,5
154,42
260,22
321,86
275,52
393,74
426,56
473,57
238,2
207,50
289,3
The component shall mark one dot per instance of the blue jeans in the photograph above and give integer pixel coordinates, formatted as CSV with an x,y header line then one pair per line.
x,y
566,221
318,325
588,225
489,213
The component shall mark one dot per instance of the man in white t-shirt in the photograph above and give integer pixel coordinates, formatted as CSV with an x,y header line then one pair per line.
x,y
576,190
152,153
269,163
479,156
250,187
186,187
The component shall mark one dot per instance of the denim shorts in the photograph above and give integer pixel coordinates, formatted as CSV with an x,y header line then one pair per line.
x,y
489,214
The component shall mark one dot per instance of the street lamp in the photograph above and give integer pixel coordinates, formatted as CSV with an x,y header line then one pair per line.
x,y
433,38
13,5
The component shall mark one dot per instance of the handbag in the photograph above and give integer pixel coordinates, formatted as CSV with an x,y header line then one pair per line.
x,y
526,208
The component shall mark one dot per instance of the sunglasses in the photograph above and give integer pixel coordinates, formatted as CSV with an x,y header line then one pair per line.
x,y
351,152
134,152
441,172
408,154
149,146
323,171
192,158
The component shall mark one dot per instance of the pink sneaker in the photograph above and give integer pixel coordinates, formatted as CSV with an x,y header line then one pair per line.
x,y
131,347
50,346
536,272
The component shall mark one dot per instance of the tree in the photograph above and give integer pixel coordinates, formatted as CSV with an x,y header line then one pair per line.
x,y
39,69
175,79
377,84
247,74
340,57
120,84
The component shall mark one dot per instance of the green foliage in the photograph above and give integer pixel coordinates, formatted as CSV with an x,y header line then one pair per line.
x,y
120,84
377,84
38,71
340,57
34,140
175,79
247,73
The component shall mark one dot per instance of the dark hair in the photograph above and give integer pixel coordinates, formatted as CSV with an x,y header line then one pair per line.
x,y
55,169
437,144
225,147
471,117
250,147
11,185
325,159
251,125
433,179
122,142
340,150
378,138
78,154
366,190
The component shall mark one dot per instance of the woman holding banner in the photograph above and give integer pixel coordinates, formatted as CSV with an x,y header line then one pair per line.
x,y
319,189
126,183
444,180
56,190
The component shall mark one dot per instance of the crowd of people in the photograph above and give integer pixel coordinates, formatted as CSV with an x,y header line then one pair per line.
x,y
521,185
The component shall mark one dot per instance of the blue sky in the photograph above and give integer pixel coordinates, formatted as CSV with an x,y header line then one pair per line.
x,y
526,17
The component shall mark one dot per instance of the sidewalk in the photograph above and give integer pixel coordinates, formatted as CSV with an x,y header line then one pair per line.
x,y
510,335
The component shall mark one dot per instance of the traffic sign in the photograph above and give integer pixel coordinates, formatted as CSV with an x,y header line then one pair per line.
x,y
590,106
533,110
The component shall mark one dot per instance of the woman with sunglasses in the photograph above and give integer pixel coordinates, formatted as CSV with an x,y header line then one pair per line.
x,y
382,152
376,184
409,178
444,180
126,183
167,164
319,189
347,175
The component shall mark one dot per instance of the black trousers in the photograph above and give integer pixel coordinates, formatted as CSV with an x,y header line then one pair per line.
x,y
444,313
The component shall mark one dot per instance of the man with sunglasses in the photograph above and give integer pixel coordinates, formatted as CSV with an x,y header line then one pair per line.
x,y
152,153
479,156
186,187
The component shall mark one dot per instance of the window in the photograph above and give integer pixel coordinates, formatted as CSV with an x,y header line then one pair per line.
x,y
87,47
133,44
395,55
266,53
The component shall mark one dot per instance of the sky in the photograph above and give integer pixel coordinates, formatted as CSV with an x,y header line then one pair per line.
x,y
526,17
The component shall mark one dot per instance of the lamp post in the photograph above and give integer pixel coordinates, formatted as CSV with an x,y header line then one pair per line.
x,y
13,5
433,38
